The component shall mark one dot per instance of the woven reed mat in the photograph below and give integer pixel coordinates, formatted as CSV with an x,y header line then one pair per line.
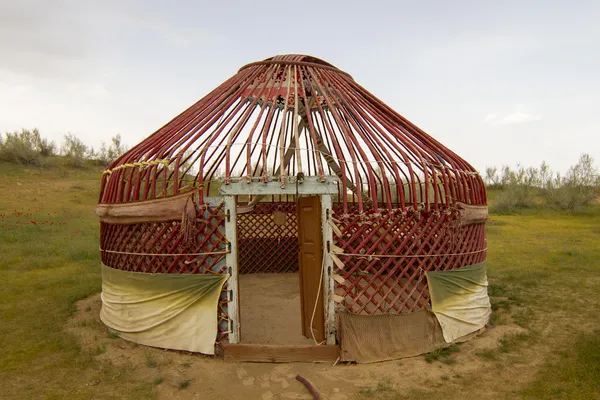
x,y
373,338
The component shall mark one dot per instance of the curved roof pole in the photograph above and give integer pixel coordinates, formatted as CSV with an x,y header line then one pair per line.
x,y
303,125
284,163
337,169
283,167
329,158
296,128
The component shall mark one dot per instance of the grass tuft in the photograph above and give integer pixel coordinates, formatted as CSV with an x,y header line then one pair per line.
x,y
99,350
511,342
158,381
487,354
443,355
113,334
383,390
184,384
150,361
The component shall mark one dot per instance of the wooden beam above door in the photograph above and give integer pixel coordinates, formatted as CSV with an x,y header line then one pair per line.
x,y
311,185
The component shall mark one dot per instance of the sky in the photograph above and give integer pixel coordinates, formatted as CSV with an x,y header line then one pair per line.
x,y
498,82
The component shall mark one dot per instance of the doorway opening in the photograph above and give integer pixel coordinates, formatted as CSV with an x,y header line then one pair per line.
x,y
280,252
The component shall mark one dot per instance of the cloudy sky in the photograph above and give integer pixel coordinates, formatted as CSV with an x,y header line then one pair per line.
x,y
499,82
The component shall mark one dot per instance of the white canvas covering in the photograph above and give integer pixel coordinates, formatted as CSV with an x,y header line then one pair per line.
x,y
460,300
174,311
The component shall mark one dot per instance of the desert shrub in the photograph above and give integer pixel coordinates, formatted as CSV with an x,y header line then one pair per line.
x,y
75,150
28,147
45,147
519,187
513,197
531,187
25,147
577,188
18,147
108,154
492,179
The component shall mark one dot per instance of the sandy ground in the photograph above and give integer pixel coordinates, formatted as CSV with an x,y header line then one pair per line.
x,y
270,309
213,378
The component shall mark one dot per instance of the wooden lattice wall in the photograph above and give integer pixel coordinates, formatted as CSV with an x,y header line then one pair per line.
x,y
161,247
385,255
264,243
403,246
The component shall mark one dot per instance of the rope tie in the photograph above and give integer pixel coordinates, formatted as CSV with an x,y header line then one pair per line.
x,y
165,254
408,256
136,164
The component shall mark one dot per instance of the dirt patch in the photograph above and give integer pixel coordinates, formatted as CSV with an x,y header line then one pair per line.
x,y
270,309
193,376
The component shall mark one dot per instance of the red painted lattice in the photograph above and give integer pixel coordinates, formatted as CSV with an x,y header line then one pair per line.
x,y
161,248
264,245
417,243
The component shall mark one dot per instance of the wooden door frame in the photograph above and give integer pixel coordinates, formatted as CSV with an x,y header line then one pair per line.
x,y
311,186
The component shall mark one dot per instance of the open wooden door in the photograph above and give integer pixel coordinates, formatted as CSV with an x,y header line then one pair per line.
x,y
311,259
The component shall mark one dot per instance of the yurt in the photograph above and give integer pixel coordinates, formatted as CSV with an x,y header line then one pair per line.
x,y
290,214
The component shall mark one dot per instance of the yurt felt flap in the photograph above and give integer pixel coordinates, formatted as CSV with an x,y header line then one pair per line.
x,y
471,214
175,311
373,338
180,207
460,300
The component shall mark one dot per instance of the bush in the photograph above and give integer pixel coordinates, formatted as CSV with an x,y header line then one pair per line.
x,y
519,188
530,187
106,155
578,188
26,147
75,149
514,196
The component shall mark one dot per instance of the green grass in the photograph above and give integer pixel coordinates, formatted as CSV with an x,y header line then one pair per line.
x,y
573,374
184,384
158,381
543,267
99,350
383,390
509,343
49,259
443,355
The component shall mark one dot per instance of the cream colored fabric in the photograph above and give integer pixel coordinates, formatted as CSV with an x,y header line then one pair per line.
x,y
173,311
460,300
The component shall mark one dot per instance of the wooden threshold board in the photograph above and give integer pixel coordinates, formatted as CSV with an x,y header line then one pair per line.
x,y
280,353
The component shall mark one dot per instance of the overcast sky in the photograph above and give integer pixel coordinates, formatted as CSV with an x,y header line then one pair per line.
x,y
499,82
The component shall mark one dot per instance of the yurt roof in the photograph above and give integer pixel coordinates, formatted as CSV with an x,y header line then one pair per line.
x,y
294,116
